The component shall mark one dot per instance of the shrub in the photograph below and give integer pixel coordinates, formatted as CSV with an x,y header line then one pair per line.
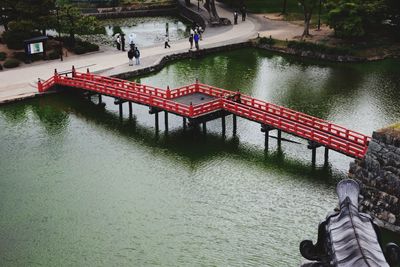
x,y
1,67
21,56
14,39
267,41
306,46
55,54
3,56
11,63
78,49
89,46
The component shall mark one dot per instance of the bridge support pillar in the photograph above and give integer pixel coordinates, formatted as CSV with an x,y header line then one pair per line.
x,y
204,128
326,155
130,110
166,121
184,123
265,129
279,137
223,125
100,99
120,111
156,122
313,146
234,124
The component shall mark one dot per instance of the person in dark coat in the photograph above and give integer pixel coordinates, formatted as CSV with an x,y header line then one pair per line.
x,y
191,41
131,54
137,56
235,17
122,42
243,10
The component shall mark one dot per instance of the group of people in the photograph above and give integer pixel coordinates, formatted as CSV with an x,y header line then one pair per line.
x,y
196,32
236,14
195,36
133,52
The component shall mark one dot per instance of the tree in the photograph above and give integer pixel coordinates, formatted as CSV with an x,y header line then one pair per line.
x,y
355,18
73,22
212,11
308,8
345,18
284,6
36,11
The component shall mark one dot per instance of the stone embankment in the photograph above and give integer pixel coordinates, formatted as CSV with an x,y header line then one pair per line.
x,y
379,176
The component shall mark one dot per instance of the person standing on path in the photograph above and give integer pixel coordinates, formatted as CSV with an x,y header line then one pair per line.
x,y
137,56
131,54
131,41
191,41
235,17
243,10
118,42
122,42
166,44
196,40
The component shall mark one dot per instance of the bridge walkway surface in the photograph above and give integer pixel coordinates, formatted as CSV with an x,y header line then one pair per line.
x,y
197,101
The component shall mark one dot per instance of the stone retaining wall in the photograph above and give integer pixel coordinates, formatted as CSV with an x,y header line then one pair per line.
x,y
173,57
379,176
165,11
311,54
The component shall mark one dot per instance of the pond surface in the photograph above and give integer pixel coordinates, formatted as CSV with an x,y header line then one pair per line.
x,y
78,187
147,31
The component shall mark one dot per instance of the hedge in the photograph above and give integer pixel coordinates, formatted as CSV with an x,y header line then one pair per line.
x,y
11,63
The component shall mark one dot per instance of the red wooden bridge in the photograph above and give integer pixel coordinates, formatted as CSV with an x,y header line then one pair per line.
x,y
200,102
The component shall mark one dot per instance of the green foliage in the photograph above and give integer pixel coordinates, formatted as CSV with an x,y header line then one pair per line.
x,y
73,22
11,63
318,48
78,49
117,30
3,56
21,56
267,41
345,18
17,33
355,18
55,54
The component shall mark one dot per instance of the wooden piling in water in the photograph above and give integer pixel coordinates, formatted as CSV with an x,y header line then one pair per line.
x,y
166,121
234,122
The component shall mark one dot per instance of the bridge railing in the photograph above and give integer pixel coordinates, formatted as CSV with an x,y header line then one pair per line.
x,y
136,96
295,128
182,91
204,108
123,84
303,118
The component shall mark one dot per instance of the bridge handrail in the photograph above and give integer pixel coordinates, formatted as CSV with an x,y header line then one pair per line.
x,y
121,92
306,119
123,83
297,116
295,128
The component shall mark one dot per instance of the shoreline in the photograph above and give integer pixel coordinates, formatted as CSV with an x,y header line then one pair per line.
x,y
160,64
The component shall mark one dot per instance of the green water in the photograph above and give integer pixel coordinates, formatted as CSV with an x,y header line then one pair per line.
x,y
79,188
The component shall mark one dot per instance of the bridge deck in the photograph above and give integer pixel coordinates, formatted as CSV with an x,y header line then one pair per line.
x,y
198,99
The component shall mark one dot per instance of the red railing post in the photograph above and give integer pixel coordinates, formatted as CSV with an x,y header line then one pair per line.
x,y
40,86
196,86
55,76
73,71
168,92
191,111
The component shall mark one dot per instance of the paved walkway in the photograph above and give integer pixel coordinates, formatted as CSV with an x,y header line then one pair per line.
x,y
22,82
